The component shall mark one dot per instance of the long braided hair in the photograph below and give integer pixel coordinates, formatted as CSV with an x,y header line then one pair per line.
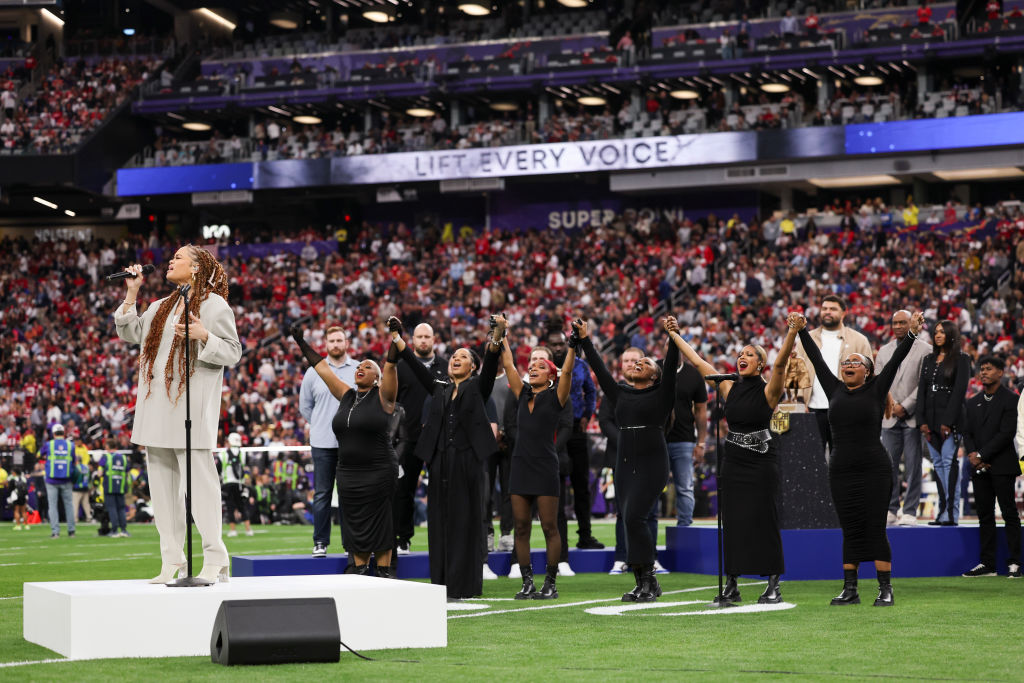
x,y
207,278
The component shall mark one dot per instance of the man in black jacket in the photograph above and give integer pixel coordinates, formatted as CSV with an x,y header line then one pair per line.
x,y
988,442
411,396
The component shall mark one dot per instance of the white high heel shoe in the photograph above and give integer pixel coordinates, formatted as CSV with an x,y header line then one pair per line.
x,y
214,573
167,572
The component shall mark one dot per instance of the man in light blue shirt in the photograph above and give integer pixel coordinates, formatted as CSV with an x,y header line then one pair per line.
x,y
318,406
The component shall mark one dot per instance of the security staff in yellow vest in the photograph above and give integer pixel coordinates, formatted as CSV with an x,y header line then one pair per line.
x,y
263,491
116,483
60,457
232,470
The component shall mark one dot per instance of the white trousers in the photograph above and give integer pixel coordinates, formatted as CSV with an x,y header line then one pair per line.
x,y
167,487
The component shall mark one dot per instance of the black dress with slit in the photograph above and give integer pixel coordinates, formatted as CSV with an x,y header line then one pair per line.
x,y
749,492
641,465
367,472
534,458
860,469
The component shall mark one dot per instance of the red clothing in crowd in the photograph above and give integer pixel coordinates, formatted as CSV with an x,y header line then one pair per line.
x,y
924,14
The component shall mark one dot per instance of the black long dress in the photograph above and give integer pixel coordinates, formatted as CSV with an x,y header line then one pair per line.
x,y
641,465
367,472
455,443
750,487
860,470
534,458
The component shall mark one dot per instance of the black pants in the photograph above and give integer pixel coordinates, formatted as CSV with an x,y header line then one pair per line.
x,y
989,488
823,426
405,491
498,467
579,477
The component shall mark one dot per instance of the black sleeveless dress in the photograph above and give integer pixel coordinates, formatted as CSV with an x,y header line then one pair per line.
x,y
534,459
367,472
749,490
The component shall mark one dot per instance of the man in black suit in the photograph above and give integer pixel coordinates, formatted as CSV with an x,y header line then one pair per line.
x,y
988,441
412,395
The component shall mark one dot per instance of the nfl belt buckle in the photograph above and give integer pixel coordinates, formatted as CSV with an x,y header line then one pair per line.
x,y
780,422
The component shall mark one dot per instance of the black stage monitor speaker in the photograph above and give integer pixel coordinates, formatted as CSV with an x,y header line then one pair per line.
x,y
276,631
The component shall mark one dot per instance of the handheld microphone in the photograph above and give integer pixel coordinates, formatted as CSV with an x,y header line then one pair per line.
x,y
727,377
125,275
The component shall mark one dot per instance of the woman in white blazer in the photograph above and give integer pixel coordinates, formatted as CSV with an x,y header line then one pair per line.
x,y
160,403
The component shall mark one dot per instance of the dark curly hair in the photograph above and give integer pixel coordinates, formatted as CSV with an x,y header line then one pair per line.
x,y
208,278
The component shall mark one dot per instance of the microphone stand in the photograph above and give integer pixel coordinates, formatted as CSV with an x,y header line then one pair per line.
x,y
720,599
189,581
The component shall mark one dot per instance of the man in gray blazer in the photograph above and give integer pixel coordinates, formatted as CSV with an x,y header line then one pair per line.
x,y
899,430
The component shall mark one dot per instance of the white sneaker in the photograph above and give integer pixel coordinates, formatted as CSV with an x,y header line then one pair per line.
x,y
658,569
565,570
403,548
232,533
514,573
618,568
506,543
490,543
249,532
908,520
489,573
891,519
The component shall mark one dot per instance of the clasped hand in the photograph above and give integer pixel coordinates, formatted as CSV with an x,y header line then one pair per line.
x,y
196,330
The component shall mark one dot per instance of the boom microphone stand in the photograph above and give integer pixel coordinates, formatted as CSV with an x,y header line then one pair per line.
x,y
720,599
191,581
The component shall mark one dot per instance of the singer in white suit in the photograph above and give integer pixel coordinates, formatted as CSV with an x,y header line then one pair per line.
x,y
160,403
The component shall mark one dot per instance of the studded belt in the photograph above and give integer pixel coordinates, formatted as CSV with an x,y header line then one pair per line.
x,y
753,441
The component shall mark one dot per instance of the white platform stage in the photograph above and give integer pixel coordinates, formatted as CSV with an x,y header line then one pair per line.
x,y
92,619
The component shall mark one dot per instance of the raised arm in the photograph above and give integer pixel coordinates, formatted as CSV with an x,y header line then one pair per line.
x,y
703,367
773,390
317,362
499,341
604,378
667,388
488,371
887,375
829,382
389,373
565,379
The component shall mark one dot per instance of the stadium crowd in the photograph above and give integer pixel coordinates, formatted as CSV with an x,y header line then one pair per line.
x,y
730,283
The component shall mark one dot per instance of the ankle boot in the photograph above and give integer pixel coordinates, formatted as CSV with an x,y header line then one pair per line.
x,y
632,595
849,596
361,570
528,590
548,590
731,591
650,589
385,572
884,598
772,595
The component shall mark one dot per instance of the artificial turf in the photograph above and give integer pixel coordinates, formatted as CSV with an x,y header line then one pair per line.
x,y
939,629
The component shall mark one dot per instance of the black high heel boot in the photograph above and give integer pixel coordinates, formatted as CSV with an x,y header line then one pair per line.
x,y
528,590
386,572
849,596
731,592
884,598
650,589
548,590
632,595
362,569
772,595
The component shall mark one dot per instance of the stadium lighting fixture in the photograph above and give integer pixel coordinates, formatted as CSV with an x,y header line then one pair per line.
x,y
474,9
285,20
40,200
381,14
420,112
855,181
307,119
197,126
684,94
573,4
504,106
69,212
775,87
47,14
868,79
213,16
592,101
980,173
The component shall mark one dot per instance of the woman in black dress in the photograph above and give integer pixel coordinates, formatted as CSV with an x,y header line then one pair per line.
x,y
860,469
367,463
534,474
455,443
940,401
641,467
749,480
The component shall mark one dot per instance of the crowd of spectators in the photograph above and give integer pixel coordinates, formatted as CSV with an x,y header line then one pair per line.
x,y
71,100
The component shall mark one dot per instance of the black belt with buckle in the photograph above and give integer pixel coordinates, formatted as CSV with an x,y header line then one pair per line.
x,y
753,441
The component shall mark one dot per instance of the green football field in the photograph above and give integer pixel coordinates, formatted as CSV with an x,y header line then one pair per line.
x,y
939,629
